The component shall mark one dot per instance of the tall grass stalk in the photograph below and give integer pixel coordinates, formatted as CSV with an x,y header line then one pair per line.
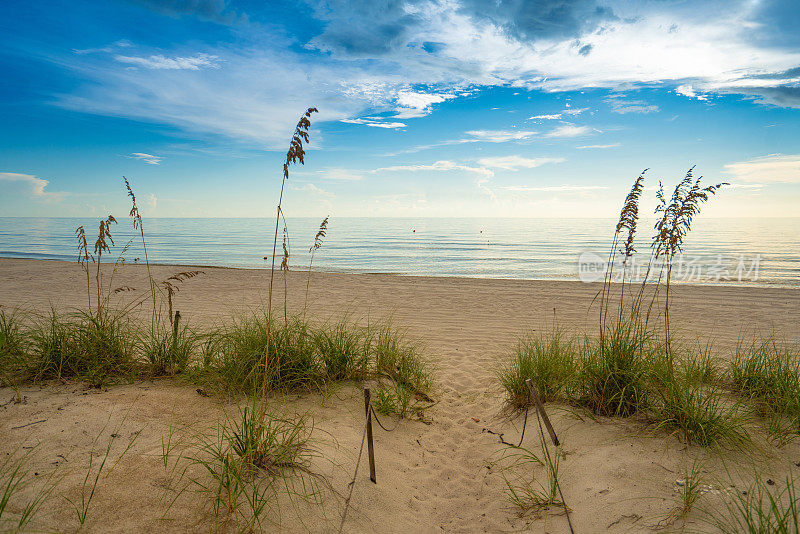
x,y
138,225
323,229
295,154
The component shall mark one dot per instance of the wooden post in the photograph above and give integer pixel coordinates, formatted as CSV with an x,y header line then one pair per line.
x,y
540,407
175,331
370,449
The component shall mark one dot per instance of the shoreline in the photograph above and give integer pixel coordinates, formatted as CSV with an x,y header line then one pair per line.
x,y
299,269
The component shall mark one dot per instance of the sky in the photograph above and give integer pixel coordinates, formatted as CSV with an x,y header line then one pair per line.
x,y
428,108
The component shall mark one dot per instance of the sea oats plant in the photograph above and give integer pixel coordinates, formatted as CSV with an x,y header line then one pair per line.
x,y
675,223
323,229
296,153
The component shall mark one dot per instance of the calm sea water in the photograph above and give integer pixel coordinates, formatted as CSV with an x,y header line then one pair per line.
x,y
738,251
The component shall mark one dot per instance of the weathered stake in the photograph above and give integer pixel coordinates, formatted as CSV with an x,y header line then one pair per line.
x,y
370,450
175,323
540,408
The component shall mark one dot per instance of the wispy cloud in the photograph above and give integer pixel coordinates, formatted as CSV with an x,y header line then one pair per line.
x,y
557,116
573,111
375,123
35,186
481,184
553,117
569,130
555,188
512,163
345,175
160,62
498,136
622,106
774,168
314,190
150,159
443,165
610,145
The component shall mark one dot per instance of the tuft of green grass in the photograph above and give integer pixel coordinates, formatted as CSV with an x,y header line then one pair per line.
x,y
95,347
548,360
398,400
699,414
700,367
531,497
400,361
165,352
768,374
615,370
13,350
759,510
22,495
235,355
253,460
344,351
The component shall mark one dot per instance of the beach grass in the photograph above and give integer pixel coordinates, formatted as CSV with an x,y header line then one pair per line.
x,y
95,347
549,360
767,373
251,460
13,349
764,507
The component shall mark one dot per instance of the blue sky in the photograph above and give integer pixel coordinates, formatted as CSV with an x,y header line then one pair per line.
x,y
427,108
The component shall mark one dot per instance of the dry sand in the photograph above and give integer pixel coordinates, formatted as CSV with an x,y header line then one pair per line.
x,y
618,475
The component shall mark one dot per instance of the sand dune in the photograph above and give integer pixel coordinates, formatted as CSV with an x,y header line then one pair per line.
x,y
618,475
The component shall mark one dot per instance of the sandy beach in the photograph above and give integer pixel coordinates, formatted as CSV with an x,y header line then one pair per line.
x,y
437,475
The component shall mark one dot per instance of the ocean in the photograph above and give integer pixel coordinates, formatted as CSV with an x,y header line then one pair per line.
x,y
728,251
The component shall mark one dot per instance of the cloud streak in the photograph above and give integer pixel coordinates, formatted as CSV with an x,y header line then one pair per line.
x,y
159,62
150,159
34,186
774,168
513,163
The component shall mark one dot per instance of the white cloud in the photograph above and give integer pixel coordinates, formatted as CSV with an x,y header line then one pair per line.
x,y
266,81
512,163
152,201
442,165
499,136
160,62
375,123
688,91
573,111
553,117
620,105
569,130
150,159
611,145
314,190
340,174
412,105
34,186
774,168
556,188
480,183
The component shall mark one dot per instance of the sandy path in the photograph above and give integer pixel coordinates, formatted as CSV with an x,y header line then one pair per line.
x,y
432,478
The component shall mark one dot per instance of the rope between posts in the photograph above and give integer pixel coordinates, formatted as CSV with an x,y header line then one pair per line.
x,y
372,411
550,460
353,482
